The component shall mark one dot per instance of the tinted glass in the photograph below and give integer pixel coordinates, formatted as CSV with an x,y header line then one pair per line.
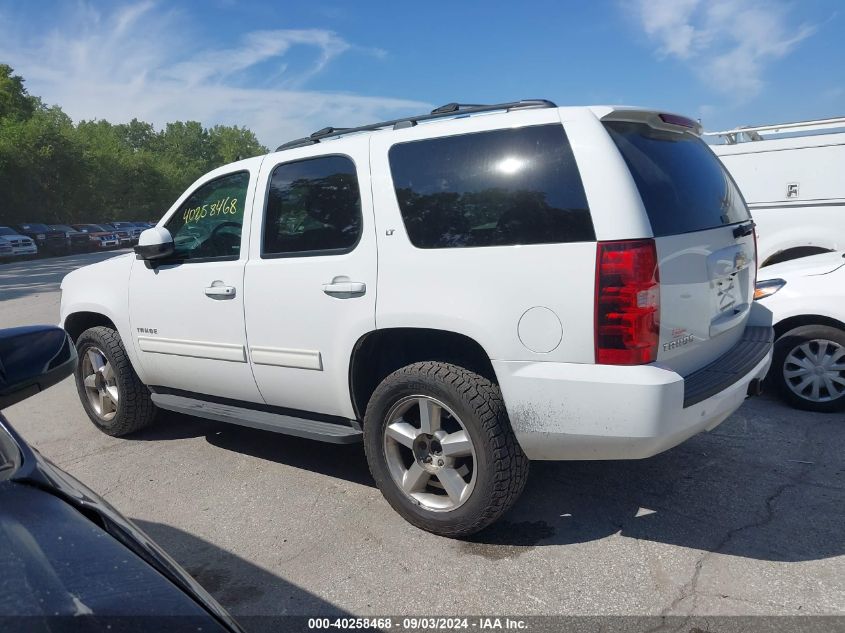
x,y
39,228
208,224
682,184
515,186
5,230
313,206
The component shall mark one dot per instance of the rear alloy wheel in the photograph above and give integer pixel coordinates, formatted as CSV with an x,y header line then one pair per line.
x,y
809,368
429,453
441,449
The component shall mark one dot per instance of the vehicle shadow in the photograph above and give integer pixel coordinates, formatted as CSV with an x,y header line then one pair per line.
x,y
767,484
341,461
762,487
37,276
255,597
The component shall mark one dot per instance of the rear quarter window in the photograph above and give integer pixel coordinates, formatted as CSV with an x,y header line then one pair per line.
x,y
496,188
682,183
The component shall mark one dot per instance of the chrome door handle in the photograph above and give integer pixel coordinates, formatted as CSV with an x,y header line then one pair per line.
x,y
220,291
345,288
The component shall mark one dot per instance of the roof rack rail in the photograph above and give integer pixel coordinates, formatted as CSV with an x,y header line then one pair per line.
x,y
757,132
448,110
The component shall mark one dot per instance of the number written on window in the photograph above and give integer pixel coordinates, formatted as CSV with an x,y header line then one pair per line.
x,y
208,224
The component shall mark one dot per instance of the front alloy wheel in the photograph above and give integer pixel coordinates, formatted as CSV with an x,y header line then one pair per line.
x,y
100,383
113,396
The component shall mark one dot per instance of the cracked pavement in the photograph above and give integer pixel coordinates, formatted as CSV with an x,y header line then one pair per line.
x,y
747,519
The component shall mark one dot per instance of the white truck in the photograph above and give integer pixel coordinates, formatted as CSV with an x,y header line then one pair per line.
x,y
792,176
463,291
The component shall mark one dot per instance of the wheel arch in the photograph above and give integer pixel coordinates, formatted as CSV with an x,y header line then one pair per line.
x,y
77,322
378,353
794,253
782,327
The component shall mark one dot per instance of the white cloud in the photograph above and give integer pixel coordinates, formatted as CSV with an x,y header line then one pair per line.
x,y
143,60
729,43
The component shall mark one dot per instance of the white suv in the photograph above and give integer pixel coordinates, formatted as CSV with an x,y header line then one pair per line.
x,y
464,291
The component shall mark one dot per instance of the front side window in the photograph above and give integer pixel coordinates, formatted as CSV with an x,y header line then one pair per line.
x,y
497,188
208,224
313,207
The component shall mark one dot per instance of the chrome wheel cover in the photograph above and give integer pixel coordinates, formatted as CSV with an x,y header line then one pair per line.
x,y
100,383
429,453
815,370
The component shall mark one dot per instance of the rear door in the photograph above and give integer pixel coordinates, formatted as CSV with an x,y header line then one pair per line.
x,y
703,235
310,283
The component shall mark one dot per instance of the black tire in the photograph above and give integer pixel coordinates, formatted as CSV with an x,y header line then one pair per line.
x,y
786,344
135,409
501,466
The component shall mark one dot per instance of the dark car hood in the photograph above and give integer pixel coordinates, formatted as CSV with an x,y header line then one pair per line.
x,y
61,541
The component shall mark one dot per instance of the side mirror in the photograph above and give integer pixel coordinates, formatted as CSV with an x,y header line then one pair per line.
x,y
154,243
32,359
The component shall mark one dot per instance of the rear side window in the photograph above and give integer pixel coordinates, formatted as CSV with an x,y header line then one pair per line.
x,y
682,184
313,208
497,188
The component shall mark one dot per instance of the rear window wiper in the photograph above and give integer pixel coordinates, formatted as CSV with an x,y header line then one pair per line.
x,y
744,229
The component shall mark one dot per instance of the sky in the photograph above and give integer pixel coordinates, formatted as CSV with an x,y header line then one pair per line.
x,y
285,69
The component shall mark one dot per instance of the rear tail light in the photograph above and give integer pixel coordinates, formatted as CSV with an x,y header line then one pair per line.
x,y
627,319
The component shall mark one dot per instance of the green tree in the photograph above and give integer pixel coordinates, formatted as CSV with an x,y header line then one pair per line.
x,y
56,172
232,143
15,102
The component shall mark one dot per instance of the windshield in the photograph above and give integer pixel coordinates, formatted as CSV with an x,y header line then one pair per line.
x,y
61,227
5,230
35,227
89,228
682,183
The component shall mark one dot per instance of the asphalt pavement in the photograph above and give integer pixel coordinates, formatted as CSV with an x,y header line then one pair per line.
x,y
747,519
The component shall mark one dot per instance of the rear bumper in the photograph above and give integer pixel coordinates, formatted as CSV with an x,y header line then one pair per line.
x,y
564,411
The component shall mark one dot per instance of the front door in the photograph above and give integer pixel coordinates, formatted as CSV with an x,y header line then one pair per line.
x,y
310,283
187,312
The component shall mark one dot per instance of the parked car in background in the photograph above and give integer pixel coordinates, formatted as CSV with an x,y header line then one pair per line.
x,y
553,284
64,551
49,241
134,231
791,176
79,242
125,235
22,246
6,251
100,238
807,298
